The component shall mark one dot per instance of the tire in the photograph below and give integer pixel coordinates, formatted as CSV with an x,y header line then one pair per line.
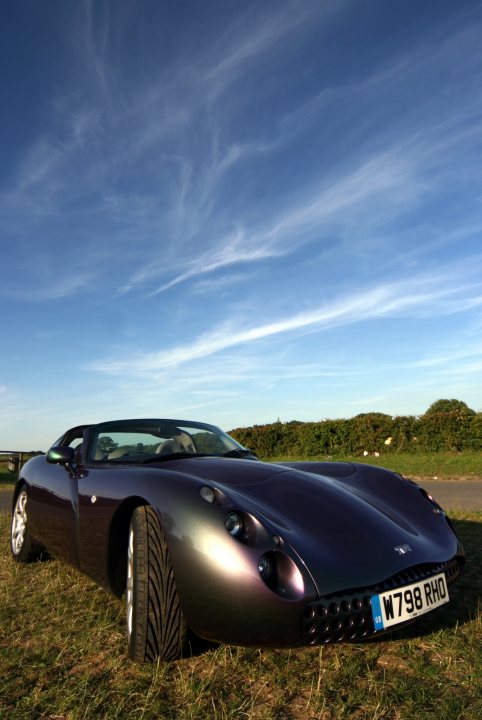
x,y
21,544
155,623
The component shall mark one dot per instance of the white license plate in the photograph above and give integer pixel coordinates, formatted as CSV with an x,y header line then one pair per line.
x,y
407,602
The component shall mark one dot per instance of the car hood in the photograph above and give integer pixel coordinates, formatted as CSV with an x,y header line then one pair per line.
x,y
347,528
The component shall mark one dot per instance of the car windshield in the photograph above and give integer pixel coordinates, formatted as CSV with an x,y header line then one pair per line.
x,y
157,440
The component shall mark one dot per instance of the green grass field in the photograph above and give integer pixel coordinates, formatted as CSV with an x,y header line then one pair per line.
x,y
63,657
443,465
6,477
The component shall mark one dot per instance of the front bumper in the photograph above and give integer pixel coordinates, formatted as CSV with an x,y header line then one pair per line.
x,y
347,617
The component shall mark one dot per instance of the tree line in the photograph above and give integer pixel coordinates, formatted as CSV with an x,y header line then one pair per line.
x,y
447,425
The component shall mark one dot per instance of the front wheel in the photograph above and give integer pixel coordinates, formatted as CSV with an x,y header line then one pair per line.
x,y
155,623
21,544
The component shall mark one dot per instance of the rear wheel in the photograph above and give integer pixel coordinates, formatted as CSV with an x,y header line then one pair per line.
x,y
21,544
155,624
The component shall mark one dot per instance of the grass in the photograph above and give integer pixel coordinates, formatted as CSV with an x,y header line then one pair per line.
x,y
63,657
7,478
443,465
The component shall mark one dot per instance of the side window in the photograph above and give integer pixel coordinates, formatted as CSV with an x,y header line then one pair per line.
x,y
75,441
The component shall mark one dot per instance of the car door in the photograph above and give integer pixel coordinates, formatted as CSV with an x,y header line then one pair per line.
x,y
53,500
52,511
98,501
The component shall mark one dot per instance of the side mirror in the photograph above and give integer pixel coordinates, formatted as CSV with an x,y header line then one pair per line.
x,y
60,455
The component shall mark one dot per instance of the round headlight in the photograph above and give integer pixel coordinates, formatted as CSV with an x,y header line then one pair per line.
x,y
234,524
266,568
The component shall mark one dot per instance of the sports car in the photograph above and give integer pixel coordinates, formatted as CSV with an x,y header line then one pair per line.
x,y
205,540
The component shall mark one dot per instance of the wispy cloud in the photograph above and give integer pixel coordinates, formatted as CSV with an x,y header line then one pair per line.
x,y
405,164
177,130
387,181
281,226
434,294
449,358
253,37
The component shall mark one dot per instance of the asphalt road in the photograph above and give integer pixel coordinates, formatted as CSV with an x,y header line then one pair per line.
x,y
450,494
455,494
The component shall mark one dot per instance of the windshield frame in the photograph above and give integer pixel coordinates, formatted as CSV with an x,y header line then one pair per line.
x,y
165,430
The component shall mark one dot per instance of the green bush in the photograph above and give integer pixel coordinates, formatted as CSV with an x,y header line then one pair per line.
x,y
453,431
446,431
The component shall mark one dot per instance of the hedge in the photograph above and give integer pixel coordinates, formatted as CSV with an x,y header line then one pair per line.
x,y
366,433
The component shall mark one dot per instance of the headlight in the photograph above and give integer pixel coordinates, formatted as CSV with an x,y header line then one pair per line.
x,y
281,575
234,524
266,568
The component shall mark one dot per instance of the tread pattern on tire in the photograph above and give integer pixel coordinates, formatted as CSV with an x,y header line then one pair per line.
x,y
159,629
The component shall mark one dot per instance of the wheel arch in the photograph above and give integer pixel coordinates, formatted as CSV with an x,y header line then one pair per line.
x,y
17,487
117,544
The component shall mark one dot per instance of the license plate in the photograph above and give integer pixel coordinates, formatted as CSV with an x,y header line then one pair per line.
x,y
401,604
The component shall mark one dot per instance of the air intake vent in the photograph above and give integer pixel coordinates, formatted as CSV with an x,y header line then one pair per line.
x,y
348,616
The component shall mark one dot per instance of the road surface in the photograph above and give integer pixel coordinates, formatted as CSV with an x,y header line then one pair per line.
x,y
455,494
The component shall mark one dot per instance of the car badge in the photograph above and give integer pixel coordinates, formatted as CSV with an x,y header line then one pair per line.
x,y
402,549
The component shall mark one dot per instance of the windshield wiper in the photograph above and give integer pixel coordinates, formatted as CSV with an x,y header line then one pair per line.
x,y
171,456
239,452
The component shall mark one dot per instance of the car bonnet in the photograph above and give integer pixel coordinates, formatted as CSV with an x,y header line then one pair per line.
x,y
347,537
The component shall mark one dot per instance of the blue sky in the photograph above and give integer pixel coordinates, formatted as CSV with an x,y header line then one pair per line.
x,y
238,211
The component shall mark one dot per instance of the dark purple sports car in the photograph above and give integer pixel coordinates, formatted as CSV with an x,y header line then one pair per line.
x,y
205,540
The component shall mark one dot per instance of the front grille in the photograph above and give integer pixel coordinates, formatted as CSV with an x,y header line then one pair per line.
x,y
348,616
